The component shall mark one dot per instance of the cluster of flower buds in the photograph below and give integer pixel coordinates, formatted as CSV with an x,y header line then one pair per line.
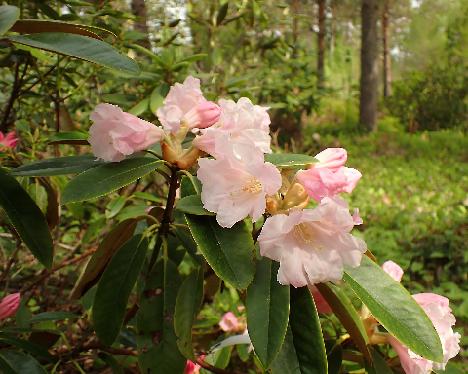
x,y
312,244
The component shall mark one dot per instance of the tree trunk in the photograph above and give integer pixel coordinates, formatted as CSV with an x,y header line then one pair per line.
x,y
369,64
140,25
387,73
321,44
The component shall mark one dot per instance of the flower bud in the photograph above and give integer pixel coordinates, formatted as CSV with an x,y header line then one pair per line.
x,y
9,305
202,116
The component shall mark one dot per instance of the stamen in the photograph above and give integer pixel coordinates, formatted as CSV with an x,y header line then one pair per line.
x,y
302,233
253,186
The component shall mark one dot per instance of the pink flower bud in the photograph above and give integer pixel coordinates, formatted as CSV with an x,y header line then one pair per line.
x,y
203,115
393,269
191,368
116,134
229,322
9,140
331,158
320,302
9,305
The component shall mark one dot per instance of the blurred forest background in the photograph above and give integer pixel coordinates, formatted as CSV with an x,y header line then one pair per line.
x,y
401,113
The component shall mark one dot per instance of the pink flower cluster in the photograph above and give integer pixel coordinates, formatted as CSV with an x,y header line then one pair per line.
x,y
311,244
438,310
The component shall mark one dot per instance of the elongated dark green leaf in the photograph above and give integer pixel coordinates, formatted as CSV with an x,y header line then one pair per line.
x,y
57,166
193,205
286,361
222,12
70,137
335,358
52,316
115,287
228,251
379,365
107,178
348,316
97,263
267,311
19,363
395,309
32,26
189,299
8,16
27,219
36,350
156,339
307,333
79,46
290,160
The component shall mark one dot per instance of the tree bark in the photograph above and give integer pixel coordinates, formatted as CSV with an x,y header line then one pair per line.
x,y
321,44
387,72
369,65
140,25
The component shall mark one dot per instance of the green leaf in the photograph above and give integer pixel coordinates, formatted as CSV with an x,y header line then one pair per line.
x,y
335,358
156,339
27,219
115,286
379,365
79,46
8,16
395,309
267,311
32,26
52,316
286,361
348,316
228,251
290,160
107,178
156,99
222,12
19,363
36,350
140,107
99,260
307,333
70,137
193,205
57,166
189,299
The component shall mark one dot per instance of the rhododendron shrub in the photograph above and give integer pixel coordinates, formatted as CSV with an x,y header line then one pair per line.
x,y
271,229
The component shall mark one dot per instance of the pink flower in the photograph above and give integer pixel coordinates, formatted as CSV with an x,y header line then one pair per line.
x,y
229,322
438,310
329,177
116,134
9,140
312,245
393,269
331,158
234,190
192,368
185,104
9,305
243,126
320,302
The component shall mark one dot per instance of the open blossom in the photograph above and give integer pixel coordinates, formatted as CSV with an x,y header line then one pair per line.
x,y
312,245
234,190
229,322
9,140
9,305
185,104
438,310
393,269
116,134
242,125
329,177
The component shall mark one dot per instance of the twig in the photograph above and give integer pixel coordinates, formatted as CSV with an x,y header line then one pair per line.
x,y
213,369
167,217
